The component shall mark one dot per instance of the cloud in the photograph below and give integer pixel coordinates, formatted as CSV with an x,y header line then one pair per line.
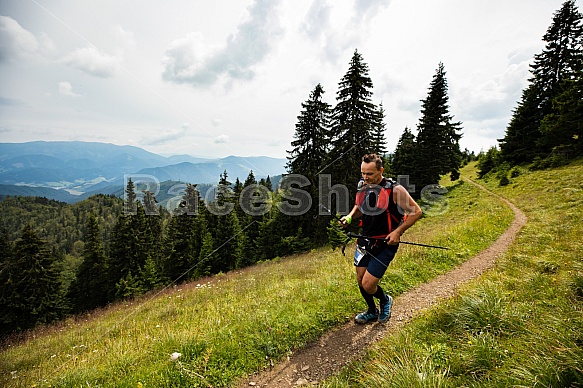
x,y
188,60
15,41
166,136
317,19
340,27
221,139
10,102
124,41
65,89
367,9
491,99
91,61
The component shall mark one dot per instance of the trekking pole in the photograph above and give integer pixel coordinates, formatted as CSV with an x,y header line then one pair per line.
x,y
349,234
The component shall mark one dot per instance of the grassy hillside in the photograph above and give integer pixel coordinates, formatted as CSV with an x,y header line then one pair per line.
x,y
521,325
237,323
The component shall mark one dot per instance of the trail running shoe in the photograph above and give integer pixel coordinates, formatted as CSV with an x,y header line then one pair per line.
x,y
367,316
385,313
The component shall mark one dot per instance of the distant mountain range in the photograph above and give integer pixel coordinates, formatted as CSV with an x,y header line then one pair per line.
x,y
72,171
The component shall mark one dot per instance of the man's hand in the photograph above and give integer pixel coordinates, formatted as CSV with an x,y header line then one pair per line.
x,y
345,221
393,238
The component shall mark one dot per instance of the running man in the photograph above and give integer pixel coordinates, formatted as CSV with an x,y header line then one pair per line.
x,y
387,211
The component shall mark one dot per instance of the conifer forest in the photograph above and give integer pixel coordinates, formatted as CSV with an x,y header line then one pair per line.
x,y
58,259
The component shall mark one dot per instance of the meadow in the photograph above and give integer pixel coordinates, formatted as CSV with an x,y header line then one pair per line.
x,y
238,323
520,325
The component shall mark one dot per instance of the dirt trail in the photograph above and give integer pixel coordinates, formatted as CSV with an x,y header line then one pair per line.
x,y
344,344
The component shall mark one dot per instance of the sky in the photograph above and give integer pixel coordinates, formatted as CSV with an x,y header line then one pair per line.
x,y
221,78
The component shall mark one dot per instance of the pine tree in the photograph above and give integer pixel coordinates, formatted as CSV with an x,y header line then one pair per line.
x,y
207,255
352,124
150,202
309,155
560,61
378,132
228,236
312,136
130,247
130,200
438,150
183,241
251,224
7,267
522,134
562,129
32,293
87,290
403,162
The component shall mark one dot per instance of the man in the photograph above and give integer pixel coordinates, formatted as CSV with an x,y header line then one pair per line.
x,y
387,211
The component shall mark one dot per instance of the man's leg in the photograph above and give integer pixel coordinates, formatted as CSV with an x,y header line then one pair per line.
x,y
370,285
371,314
368,298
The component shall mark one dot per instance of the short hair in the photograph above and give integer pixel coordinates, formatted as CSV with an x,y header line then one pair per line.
x,y
373,158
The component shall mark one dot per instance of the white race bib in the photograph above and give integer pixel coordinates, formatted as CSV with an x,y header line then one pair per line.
x,y
358,255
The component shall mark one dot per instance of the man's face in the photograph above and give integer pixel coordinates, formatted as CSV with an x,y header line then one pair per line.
x,y
370,174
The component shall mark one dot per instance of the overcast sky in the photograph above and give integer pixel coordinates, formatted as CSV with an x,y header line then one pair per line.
x,y
219,78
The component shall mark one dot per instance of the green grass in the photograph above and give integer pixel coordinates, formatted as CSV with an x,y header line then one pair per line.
x,y
520,325
238,323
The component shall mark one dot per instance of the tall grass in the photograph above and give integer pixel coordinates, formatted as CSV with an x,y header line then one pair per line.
x,y
238,323
520,325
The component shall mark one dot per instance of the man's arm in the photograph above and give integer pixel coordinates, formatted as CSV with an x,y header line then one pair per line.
x,y
404,200
347,219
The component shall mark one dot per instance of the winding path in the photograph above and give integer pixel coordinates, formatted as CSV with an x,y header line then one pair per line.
x,y
344,344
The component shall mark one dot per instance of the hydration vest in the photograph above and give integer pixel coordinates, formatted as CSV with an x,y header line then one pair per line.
x,y
380,213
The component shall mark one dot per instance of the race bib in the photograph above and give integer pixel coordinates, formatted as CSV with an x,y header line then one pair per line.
x,y
358,255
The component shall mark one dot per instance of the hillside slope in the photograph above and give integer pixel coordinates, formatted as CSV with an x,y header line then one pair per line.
x,y
236,324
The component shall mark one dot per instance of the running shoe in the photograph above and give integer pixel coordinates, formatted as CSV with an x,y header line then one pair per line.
x,y
385,313
367,316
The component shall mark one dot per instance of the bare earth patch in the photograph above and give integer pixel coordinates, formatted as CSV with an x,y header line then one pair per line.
x,y
337,348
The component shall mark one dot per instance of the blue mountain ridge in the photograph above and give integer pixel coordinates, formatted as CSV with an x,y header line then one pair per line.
x,y
70,171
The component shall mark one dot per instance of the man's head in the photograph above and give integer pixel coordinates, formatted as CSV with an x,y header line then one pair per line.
x,y
372,169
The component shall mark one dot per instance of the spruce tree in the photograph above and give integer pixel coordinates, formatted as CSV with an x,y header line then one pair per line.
x,y
403,162
130,247
32,293
352,124
560,61
562,129
520,142
309,154
228,235
312,136
7,267
438,150
251,224
378,132
87,290
183,239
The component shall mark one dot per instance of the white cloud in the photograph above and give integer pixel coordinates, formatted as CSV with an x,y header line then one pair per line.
x,y
188,60
66,89
491,99
166,136
317,19
15,41
91,61
222,139
367,9
124,41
